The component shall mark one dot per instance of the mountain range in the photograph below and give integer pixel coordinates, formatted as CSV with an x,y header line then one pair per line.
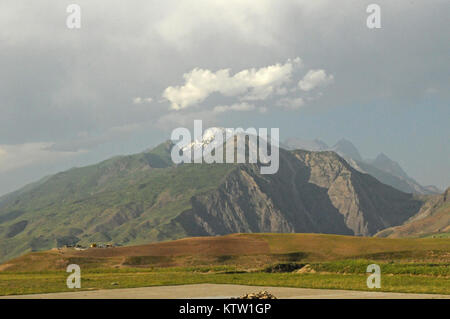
x,y
382,167
144,198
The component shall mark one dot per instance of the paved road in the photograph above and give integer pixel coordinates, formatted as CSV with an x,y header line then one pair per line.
x,y
212,291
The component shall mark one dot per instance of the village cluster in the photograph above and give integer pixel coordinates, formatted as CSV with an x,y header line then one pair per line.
x,y
92,245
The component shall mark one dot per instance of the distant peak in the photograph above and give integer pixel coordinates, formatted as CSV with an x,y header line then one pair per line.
x,y
382,156
346,148
383,162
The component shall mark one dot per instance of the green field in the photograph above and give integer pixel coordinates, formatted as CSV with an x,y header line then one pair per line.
x,y
289,260
349,274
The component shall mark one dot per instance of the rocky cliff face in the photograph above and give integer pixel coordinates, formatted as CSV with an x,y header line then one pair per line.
x,y
382,167
312,192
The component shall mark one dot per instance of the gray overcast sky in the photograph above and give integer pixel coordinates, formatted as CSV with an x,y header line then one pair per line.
x,y
137,69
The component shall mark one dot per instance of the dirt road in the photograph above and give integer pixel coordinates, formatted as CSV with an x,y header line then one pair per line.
x,y
213,291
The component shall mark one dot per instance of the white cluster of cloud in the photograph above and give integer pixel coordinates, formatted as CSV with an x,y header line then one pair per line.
x,y
251,84
263,84
314,79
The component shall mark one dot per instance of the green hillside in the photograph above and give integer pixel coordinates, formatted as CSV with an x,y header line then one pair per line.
x,y
126,200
